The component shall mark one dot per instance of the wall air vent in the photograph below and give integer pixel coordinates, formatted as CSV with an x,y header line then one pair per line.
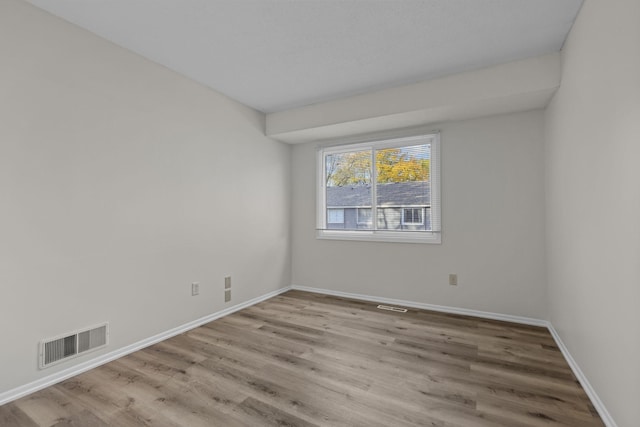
x,y
73,344
389,308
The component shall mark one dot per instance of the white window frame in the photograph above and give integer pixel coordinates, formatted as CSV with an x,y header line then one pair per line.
x,y
405,236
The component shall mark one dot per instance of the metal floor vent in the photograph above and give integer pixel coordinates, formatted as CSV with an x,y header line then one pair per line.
x,y
73,344
388,307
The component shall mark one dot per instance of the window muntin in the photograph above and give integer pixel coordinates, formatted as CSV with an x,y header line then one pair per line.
x,y
398,174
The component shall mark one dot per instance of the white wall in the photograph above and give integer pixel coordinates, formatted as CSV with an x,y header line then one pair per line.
x,y
492,216
516,86
120,184
593,202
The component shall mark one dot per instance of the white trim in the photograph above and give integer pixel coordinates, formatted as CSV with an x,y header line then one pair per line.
x,y
582,378
367,235
369,137
321,190
374,234
374,186
435,199
50,380
589,390
424,306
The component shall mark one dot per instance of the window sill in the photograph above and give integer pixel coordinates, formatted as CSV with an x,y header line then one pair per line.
x,y
377,236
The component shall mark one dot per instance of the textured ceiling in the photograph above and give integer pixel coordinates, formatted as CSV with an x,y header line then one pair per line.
x,y
278,54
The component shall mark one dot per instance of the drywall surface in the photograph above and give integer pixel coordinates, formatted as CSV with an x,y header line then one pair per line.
x,y
522,85
593,203
492,221
120,184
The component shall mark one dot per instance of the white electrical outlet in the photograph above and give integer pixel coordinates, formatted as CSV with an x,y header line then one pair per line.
x,y
453,279
195,288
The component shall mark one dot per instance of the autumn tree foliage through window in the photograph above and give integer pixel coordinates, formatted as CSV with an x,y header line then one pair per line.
x,y
392,165
402,165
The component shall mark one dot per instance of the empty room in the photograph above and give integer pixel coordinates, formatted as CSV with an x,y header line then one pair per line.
x,y
320,213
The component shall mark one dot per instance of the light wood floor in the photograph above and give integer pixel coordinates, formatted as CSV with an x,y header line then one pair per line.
x,y
302,359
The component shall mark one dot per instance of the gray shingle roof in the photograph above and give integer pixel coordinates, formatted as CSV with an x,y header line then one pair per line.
x,y
413,193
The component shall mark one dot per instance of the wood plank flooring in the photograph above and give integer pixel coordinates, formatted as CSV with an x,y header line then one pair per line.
x,y
303,359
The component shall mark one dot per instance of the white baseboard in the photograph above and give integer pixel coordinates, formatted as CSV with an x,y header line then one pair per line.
x,y
595,400
423,306
57,377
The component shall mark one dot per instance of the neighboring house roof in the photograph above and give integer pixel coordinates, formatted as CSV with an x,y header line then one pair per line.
x,y
413,193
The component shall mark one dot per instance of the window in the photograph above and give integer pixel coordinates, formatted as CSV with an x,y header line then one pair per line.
x,y
364,216
412,216
335,216
384,190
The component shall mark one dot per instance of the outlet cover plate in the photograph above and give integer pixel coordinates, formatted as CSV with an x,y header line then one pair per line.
x,y
453,279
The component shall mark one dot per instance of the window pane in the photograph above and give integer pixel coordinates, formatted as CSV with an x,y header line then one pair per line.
x,y
408,215
403,164
335,216
348,188
403,187
364,216
348,169
389,218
